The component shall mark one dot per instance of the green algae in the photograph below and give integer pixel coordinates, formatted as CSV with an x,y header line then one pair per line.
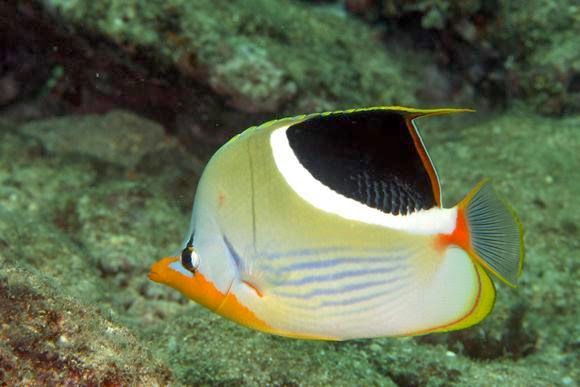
x,y
544,52
253,53
50,335
508,50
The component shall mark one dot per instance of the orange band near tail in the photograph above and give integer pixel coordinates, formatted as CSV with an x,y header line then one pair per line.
x,y
460,235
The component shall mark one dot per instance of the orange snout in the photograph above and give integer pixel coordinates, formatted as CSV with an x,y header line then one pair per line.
x,y
194,286
203,291
158,271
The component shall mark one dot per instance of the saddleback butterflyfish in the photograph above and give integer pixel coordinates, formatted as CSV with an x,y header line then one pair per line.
x,y
330,226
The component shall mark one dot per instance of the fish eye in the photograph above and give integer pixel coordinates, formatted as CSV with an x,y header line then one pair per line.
x,y
190,259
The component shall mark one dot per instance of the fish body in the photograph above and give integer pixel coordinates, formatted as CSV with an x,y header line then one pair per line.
x,y
330,226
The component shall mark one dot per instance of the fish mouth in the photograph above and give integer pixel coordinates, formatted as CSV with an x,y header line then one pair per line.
x,y
154,275
158,271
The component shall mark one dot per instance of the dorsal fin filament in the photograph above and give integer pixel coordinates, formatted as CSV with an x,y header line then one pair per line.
x,y
410,115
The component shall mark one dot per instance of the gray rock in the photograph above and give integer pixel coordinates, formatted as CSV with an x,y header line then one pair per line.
x,y
117,137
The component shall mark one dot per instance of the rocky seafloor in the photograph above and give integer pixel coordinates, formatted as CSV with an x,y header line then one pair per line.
x,y
97,177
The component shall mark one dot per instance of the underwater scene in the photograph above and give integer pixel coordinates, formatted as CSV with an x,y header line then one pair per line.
x,y
423,231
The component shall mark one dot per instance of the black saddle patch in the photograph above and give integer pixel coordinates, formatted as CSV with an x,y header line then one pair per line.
x,y
368,156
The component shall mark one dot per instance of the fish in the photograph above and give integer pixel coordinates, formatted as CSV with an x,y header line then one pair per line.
x,y
330,226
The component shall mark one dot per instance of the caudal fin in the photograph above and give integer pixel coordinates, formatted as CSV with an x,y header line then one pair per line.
x,y
494,231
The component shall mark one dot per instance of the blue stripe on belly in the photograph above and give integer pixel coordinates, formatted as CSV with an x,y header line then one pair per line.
x,y
321,264
340,275
353,300
329,291
318,251
343,289
303,252
365,297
